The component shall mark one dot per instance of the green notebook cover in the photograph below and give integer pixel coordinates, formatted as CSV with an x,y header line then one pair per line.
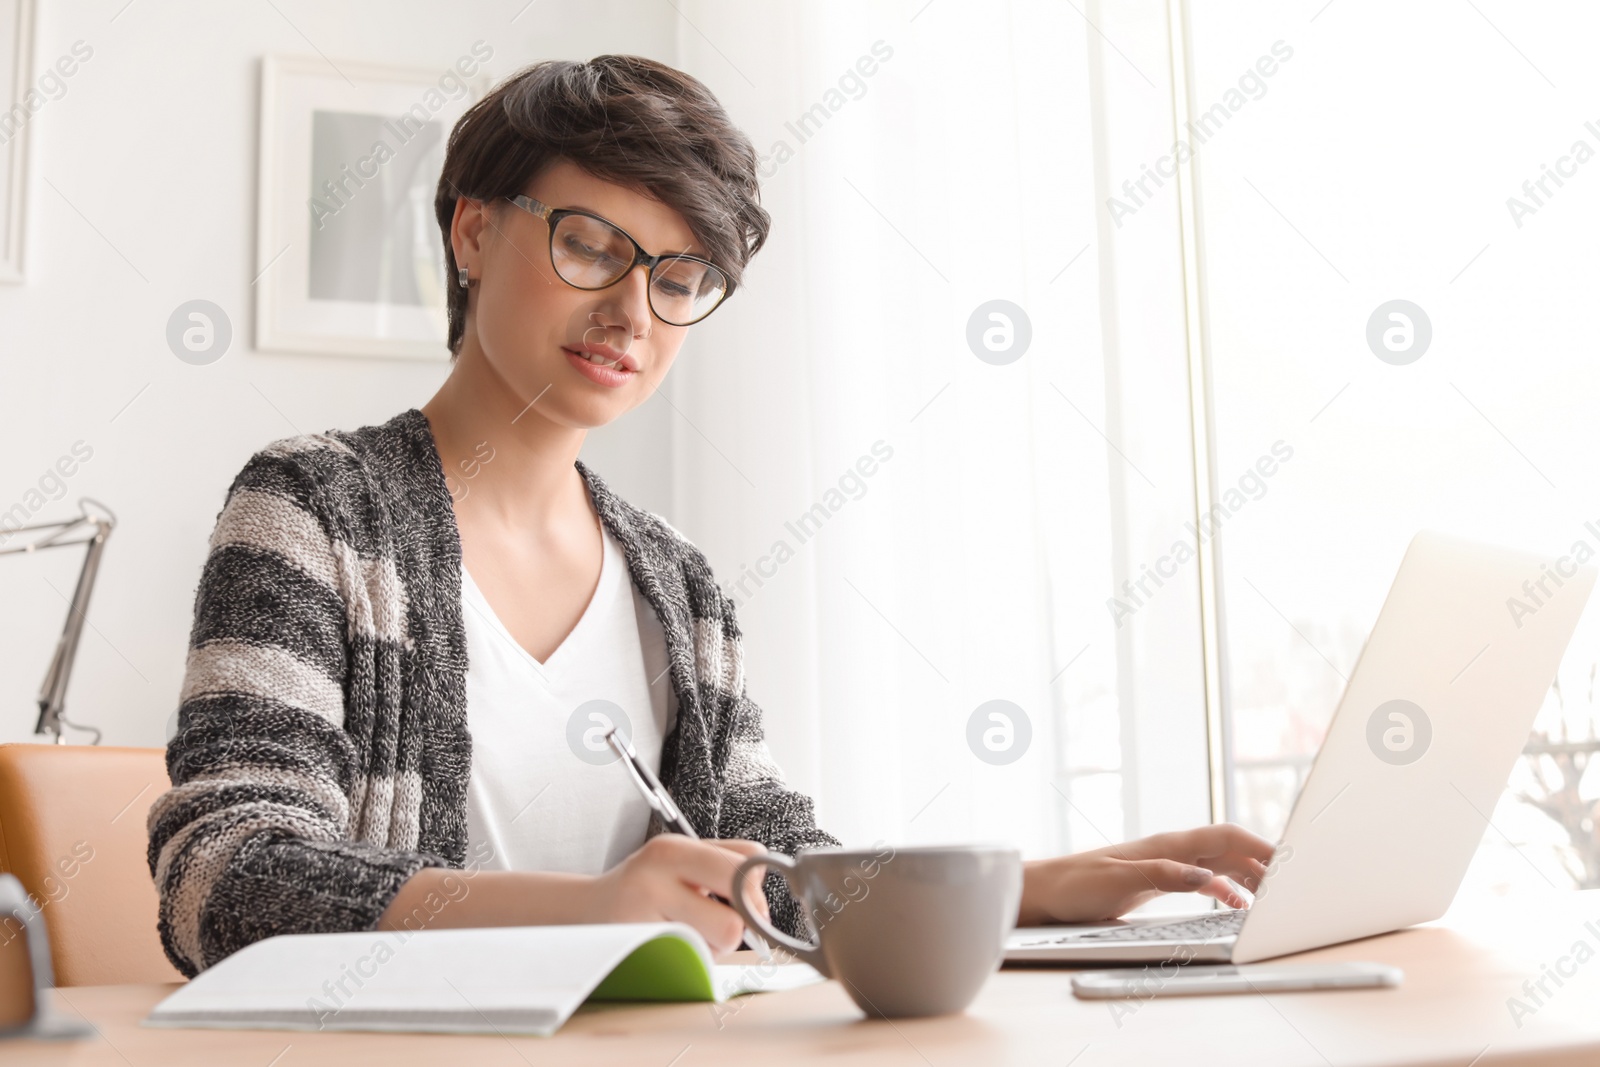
x,y
663,968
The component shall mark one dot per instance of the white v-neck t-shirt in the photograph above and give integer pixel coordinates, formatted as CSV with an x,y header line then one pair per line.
x,y
546,792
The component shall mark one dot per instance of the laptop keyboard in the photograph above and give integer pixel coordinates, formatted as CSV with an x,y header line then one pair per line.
x,y
1210,927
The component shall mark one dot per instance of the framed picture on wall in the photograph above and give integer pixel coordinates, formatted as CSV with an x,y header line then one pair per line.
x,y
21,98
348,250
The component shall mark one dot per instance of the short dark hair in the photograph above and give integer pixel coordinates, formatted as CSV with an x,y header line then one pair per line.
x,y
624,119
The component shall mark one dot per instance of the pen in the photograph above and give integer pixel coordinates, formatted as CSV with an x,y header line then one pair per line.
x,y
655,794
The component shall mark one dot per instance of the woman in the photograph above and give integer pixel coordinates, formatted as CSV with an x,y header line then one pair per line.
x,y
409,637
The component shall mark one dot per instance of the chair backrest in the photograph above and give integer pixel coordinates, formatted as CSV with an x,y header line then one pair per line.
x,y
72,829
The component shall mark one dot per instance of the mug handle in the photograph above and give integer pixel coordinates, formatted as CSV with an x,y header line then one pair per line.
x,y
806,950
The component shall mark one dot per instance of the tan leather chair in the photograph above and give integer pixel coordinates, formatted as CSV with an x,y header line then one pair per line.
x,y
72,829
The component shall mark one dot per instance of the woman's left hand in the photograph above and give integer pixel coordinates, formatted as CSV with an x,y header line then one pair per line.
x,y
1110,881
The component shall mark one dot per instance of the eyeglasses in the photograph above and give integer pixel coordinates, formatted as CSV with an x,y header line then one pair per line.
x,y
591,253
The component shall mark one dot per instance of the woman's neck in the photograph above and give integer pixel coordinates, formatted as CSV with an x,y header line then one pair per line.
x,y
505,463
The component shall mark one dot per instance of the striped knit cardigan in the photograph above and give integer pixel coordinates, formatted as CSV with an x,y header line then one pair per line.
x,y
322,752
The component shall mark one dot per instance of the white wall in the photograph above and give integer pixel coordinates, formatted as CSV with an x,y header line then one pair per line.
x,y
142,196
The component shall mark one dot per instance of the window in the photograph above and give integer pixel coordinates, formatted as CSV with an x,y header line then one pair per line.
x,y
1364,169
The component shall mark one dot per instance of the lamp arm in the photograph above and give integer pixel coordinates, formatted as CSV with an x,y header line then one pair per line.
x,y
53,692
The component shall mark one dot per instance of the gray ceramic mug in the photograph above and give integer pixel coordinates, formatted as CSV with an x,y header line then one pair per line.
x,y
909,931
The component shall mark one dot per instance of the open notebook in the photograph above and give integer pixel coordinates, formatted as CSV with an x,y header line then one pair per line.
x,y
509,979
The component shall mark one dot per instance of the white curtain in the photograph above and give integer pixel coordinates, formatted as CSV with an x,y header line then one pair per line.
x,y
922,161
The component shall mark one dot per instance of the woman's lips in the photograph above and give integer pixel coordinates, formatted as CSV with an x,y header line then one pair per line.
x,y
601,374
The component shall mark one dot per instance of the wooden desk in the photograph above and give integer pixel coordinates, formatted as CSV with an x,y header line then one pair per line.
x,y
1452,1009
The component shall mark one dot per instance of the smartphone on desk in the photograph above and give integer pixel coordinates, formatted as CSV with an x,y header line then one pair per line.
x,y
1144,983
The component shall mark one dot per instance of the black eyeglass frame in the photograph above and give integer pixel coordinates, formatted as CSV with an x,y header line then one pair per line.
x,y
553,216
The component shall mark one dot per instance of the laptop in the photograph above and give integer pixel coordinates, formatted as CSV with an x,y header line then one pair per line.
x,y
1432,720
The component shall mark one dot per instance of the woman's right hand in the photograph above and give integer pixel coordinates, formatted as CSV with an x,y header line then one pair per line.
x,y
671,879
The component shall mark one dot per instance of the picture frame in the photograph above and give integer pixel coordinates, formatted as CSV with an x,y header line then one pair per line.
x,y
16,76
348,253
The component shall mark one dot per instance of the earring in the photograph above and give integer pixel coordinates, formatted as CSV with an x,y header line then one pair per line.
x,y
461,276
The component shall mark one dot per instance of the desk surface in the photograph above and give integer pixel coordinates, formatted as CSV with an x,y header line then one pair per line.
x,y
1453,1008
